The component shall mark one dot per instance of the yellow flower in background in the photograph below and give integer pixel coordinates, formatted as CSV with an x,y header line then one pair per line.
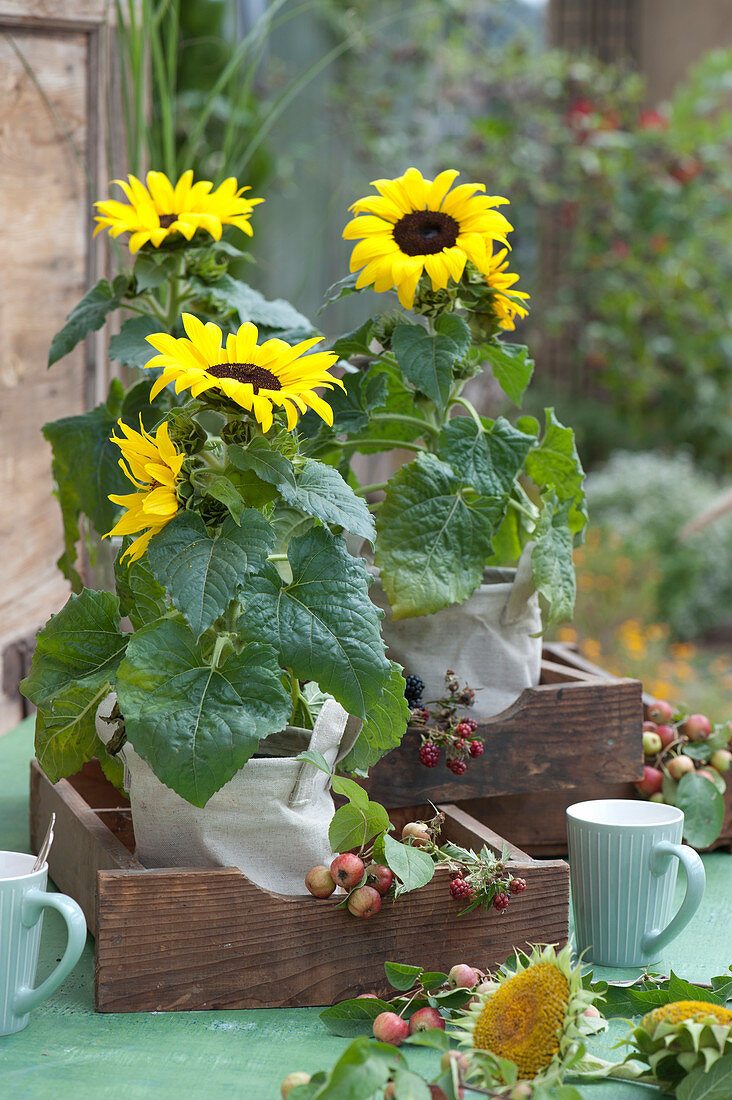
x,y
160,209
416,225
255,376
506,302
153,464
534,1018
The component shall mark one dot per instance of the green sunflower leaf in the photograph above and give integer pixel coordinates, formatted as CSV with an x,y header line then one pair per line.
x,y
141,598
554,463
322,622
150,271
351,407
354,343
196,726
512,368
714,1083
426,361
276,315
551,558
203,573
88,315
380,435
66,736
384,726
342,289
130,348
703,808
489,460
433,537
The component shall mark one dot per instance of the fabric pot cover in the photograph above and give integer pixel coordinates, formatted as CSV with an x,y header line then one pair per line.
x,y
487,641
270,820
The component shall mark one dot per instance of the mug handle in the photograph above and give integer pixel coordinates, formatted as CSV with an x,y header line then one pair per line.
x,y
26,999
656,940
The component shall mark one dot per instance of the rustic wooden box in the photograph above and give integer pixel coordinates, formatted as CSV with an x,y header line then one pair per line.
x,y
579,715
191,938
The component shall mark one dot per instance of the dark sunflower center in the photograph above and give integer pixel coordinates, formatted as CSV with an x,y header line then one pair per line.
x,y
166,220
258,377
424,232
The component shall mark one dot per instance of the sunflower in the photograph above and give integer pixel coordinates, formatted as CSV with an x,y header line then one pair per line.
x,y
160,210
254,376
416,225
677,1038
153,464
507,303
534,1018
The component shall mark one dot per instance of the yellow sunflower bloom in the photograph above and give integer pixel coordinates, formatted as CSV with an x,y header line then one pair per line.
x,y
161,209
416,225
153,464
254,376
533,1017
506,302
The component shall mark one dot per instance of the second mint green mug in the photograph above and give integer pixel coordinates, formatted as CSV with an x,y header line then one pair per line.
x,y
623,859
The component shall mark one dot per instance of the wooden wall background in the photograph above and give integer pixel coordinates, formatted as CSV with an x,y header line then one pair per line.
x,y
53,83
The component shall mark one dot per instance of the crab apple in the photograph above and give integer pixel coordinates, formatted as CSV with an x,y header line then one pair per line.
x,y
650,727
347,870
657,797
367,997
680,765
667,734
462,976
390,1028
320,882
292,1081
652,781
457,1056
697,727
425,1019
364,902
418,832
379,877
709,773
651,744
660,711
721,760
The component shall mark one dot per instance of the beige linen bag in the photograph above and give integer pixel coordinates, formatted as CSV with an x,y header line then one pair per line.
x,y
270,820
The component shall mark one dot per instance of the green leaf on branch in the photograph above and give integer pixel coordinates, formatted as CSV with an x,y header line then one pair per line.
x,y
249,305
489,460
202,572
130,347
554,463
551,559
426,361
512,368
433,537
703,808
195,725
88,315
354,1017
413,867
384,726
225,489
354,825
357,342
322,622
263,460
401,976
66,736
141,598
351,790
681,990
351,407
342,289
410,1086
456,329
714,1083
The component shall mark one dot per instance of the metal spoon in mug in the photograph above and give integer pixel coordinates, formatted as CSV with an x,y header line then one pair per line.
x,y
46,846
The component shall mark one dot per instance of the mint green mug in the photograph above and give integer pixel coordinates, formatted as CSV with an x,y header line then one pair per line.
x,y
623,859
23,897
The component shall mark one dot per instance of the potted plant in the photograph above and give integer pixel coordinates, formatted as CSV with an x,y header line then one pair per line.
x,y
240,630
482,521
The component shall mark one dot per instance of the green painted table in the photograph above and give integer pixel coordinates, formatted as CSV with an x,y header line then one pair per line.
x,y
68,1050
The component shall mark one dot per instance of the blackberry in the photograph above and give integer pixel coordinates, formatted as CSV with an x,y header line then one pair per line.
x,y
463,729
413,691
517,885
500,902
476,748
472,723
457,767
429,754
460,890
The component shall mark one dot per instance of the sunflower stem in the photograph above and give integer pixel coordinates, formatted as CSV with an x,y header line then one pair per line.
x,y
377,487
387,444
410,421
470,407
513,503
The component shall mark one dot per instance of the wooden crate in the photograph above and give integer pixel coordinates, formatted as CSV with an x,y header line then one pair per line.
x,y
542,742
189,938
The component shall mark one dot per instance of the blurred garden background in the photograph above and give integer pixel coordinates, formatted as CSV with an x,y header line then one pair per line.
x,y
608,125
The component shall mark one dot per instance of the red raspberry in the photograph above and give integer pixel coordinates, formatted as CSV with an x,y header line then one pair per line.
x,y
463,730
517,886
476,748
457,767
500,902
429,754
460,889
472,723
460,744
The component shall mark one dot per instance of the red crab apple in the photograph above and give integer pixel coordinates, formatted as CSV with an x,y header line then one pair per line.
x,y
657,797
652,781
364,902
418,832
457,1056
660,711
379,877
320,882
680,765
709,773
425,1019
697,727
367,997
347,870
390,1028
462,976
650,727
667,734
721,760
292,1081
652,744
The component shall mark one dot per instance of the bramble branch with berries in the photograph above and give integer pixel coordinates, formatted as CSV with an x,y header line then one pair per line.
x,y
449,731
